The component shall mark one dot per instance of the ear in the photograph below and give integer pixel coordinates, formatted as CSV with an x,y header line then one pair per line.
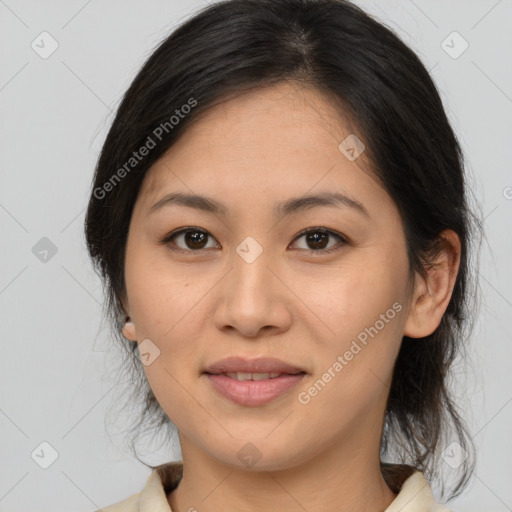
x,y
128,330
432,296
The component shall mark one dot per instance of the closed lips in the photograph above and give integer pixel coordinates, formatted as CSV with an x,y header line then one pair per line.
x,y
255,376
262,368
253,382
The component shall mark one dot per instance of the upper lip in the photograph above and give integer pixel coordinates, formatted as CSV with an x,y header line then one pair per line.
x,y
262,365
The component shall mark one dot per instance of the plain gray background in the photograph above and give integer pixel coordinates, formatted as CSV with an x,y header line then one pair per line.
x,y
55,113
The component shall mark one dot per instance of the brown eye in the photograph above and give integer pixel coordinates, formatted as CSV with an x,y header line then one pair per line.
x,y
194,239
317,240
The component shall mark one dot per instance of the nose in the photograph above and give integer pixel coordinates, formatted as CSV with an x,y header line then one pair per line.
x,y
253,299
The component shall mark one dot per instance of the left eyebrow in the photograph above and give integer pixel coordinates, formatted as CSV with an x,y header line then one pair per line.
x,y
282,209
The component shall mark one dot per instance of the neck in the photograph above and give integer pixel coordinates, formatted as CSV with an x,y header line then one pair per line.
x,y
352,479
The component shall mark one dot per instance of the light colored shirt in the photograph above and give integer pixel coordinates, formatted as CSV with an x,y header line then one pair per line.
x,y
414,495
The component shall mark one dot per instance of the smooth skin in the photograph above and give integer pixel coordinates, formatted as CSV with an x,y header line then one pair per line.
x,y
294,303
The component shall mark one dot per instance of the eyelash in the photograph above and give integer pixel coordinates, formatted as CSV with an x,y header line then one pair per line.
x,y
342,240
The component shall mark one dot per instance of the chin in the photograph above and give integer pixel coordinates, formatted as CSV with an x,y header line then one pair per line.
x,y
257,455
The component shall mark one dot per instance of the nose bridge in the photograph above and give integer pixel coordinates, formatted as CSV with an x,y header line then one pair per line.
x,y
250,266
252,298
250,250
249,300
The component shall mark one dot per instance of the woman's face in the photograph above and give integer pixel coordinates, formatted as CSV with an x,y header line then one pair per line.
x,y
246,281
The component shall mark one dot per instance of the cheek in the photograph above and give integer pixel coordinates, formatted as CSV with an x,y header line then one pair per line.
x,y
157,292
360,309
349,297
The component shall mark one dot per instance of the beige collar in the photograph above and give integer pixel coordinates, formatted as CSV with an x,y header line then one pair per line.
x,y
415,494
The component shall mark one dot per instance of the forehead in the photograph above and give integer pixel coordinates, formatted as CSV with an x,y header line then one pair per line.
x,y
282,115
285,115
274,139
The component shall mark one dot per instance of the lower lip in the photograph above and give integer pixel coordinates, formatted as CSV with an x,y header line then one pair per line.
x,y
254,392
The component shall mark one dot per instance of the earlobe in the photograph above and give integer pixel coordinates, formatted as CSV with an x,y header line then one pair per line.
x,y
420,321
128,327
128,330
432,295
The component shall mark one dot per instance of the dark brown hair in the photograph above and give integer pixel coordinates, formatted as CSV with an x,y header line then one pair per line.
x,y
376,82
